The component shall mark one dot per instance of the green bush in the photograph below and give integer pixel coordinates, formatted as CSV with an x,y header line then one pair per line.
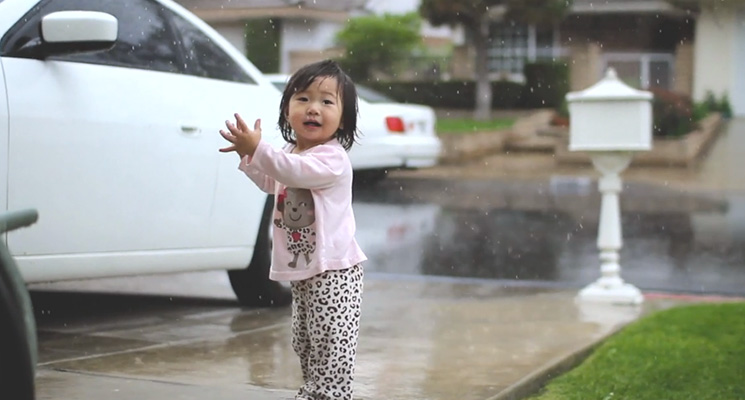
x,y
378,43
262,36
450,94
721,105
546,84
673,113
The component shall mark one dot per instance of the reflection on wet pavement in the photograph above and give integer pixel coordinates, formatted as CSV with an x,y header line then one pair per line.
x,y
532,232
695,248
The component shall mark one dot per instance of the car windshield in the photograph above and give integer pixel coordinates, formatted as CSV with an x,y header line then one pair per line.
x,y
372,96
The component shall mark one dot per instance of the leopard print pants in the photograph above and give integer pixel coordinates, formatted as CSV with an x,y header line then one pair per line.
x,y
325,326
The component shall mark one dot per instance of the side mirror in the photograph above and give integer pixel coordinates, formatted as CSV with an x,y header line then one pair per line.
x,y
68,32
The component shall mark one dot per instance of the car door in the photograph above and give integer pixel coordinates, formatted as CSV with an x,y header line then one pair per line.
x,y
106,145
224,82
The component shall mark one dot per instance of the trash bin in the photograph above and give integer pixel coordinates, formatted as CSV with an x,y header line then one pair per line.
x,y
18,347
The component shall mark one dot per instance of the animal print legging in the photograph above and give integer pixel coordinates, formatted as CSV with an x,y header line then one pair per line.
x,y
325,327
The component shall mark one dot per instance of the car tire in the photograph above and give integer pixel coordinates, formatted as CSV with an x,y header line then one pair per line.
x,y
252,285
17,335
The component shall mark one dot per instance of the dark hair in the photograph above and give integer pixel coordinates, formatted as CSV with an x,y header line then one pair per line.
x,y
300,80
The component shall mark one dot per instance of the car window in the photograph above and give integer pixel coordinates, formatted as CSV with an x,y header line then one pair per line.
x,y
144,40
203,57
372,96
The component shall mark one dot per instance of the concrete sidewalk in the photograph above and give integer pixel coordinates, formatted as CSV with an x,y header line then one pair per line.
x,y
421,338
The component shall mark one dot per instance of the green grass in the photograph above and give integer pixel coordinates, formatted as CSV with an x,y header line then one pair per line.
x,y
458,126
687,353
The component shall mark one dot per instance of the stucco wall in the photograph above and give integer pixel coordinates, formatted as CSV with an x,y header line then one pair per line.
x,y
585,65
737,94
683,75
235,33
713,61
305,36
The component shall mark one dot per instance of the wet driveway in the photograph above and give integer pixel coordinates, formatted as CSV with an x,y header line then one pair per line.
x,y
469,289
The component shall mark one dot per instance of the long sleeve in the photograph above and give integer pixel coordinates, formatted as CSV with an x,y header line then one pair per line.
x,y
319,168
262,180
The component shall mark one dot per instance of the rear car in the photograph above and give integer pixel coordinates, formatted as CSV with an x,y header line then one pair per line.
x,y
393,135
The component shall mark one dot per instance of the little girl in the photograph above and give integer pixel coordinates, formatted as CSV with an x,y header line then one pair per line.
x,y
314,245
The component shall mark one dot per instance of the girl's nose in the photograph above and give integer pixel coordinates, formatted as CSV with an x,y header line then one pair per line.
x,y
312,109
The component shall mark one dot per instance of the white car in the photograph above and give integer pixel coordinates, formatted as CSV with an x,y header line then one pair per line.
x,y
109,119
393,135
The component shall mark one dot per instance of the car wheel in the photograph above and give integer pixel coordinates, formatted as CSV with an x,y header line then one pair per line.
x,y
252,285
17,335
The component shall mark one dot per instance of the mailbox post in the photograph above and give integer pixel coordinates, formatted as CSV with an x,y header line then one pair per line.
x,y
610,120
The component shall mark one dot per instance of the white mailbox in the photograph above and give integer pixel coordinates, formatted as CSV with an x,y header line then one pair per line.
x,y
610,116
610,121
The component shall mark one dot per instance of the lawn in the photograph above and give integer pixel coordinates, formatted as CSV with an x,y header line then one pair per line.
x,y
458,126
688,353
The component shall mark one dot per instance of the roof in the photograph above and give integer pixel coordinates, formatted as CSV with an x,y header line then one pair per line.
x,y
236,10
624,7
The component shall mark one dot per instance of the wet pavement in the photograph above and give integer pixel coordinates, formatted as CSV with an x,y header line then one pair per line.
x,y
469,289
683,229
420,339
530,232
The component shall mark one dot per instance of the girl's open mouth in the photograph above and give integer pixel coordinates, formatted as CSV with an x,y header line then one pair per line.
x,y
311,123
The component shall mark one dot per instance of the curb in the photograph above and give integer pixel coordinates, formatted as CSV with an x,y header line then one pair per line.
x,y
532,383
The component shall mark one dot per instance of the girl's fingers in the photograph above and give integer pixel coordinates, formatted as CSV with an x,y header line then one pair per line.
x,y
232,128
227,149
226,135
241,123
257,125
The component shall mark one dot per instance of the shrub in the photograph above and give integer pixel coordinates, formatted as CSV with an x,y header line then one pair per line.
x,y
721,105
546,84
672,113
450,94
378,43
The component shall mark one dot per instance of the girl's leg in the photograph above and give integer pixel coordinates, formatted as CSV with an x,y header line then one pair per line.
x,y
334,312
300,339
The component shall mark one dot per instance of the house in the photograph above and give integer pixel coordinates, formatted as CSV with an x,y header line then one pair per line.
x,y
298,31
652,43
648,42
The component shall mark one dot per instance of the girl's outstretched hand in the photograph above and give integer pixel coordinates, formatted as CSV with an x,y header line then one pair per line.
x,y
243,139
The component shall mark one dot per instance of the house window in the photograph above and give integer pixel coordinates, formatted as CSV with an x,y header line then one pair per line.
x,y
509,48
642,70
513,44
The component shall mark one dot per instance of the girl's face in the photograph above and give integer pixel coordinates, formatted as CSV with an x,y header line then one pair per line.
x,y
315,113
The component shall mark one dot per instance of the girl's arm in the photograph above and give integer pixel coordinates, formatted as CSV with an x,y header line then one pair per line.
x,y
317,169
262,180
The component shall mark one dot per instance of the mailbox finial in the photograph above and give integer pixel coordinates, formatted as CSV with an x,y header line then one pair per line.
x,y
611,73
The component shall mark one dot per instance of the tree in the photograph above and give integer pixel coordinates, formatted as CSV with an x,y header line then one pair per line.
x,y
476,17
377,43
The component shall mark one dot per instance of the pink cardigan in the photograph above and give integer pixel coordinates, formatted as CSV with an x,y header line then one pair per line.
x,y
326,170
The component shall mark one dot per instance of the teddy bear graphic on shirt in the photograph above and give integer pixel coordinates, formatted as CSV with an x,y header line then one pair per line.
x,y
298,215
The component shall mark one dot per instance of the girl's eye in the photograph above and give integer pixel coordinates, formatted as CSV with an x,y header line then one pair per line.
x,y
328,102
301,98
